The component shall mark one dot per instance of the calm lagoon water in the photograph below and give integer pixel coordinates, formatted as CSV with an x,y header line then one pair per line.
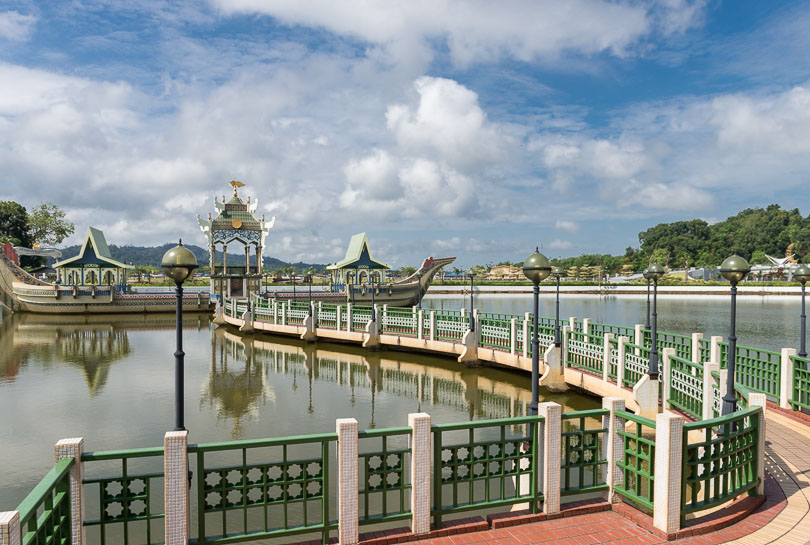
x,y
110,379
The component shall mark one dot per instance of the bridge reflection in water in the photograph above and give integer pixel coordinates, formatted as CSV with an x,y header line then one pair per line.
x,y
240,380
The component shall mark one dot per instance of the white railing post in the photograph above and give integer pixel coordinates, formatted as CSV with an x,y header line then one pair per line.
x,y
666,374
432,325
477,327
668,472
420,325
338,317
606,352
10,528
714,353
175,487
639,339
786,378
73,448
283,314
708,382
420,472
564,345
613,445
572,323
526,340
349,318
696,338
512,335
348,495
586,328
463,312
549,432
756,399
620,357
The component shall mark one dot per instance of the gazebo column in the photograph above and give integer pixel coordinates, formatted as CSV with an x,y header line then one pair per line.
x,y
247,259
259,258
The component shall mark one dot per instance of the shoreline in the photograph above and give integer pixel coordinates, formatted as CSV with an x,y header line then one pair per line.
x,y
616,290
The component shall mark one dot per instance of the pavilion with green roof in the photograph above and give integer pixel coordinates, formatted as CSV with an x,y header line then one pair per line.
x,y
358,267
94,265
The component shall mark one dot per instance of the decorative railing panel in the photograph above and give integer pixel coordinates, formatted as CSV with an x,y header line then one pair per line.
x,y
125,503
584,354
581,461
681,343
723,463
327,316
297,313
400,321
758,370
488,463
636,363
495,332
451,327
616,330
384,475
800,394
638,464
361,316
686,386
258,489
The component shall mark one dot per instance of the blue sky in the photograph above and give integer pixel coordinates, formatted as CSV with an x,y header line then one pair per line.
x,y
439,127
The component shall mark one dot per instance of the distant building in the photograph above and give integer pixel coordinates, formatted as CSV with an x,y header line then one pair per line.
x,y
505,272
94,265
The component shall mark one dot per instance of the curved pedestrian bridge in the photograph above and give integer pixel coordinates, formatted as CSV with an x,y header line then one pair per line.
x,y
655,461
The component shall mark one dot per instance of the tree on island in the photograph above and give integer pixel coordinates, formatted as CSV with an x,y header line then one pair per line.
x,y
48,225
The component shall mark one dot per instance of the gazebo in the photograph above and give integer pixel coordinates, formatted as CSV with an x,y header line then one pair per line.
x,y
94,265
358,267
235,222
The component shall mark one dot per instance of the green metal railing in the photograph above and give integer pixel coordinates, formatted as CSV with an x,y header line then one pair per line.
x,y
327,316
489,463
681,343
686,386
266,488
800,395
636,363
721,465
495,332
613,363
638,463
584,351
617,330
758,370
581,461
297,312
45,512
130,501
451,326
399,321
361,316
385,475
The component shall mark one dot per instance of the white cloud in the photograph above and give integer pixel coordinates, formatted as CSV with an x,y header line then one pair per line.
x,y
558,244
564,225
15,26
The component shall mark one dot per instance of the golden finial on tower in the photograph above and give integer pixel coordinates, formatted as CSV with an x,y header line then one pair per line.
x,y
235,184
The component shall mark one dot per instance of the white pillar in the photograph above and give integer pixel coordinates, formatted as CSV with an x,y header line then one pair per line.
x,y
639,339
666,375
348,504
586,327
73,448
760,400
526,339
668,472
606,351
420,324
338,317
786,378
708,383
512,335
283,314
613,445
348,318
420,472
696,338
175,487
572,323
549,433
620,363
432,325
714,354
10,528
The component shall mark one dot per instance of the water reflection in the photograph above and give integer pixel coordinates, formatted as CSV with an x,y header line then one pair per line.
x,y
242,369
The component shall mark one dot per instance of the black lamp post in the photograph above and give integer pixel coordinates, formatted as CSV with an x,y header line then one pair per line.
x,y
178,264
310,295
646,275
373,308
536,268
472,320
557,273
734,269
802,274
655,272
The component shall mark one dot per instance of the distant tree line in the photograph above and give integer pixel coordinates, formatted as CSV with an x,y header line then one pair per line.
x,y
46,224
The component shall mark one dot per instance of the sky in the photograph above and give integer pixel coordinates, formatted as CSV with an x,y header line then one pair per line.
x,y
473,129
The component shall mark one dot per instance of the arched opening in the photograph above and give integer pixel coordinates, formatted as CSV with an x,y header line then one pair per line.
x,y
363,277
90,278
109,278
